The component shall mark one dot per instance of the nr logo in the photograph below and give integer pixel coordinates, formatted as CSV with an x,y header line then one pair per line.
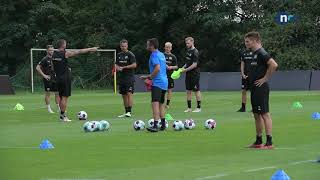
x,y
284,18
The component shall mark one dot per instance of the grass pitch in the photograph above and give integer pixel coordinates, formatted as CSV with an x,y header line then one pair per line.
x,y
123,153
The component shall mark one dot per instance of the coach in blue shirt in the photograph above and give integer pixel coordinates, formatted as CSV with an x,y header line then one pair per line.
x,y
158,75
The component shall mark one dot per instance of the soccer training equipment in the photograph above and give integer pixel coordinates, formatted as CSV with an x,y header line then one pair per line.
x,y
82,115
103,125
151,122
88,127
210,124
138,125
176,74
178,125
189,124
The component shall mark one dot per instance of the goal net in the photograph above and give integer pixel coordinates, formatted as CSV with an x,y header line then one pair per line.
x,y
89,71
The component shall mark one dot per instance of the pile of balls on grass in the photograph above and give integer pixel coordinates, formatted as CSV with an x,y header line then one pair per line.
x,y
139,125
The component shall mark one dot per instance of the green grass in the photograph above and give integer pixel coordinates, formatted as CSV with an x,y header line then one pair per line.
x,y
122,153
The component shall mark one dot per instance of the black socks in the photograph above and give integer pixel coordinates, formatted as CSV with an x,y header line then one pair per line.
x,y
168,102
128,109
189,104
199,104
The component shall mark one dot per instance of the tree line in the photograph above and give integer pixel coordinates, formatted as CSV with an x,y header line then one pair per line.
x,y
218,27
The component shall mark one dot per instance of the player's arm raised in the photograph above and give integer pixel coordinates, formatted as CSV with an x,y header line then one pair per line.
x,y
272,67
39,69
70,54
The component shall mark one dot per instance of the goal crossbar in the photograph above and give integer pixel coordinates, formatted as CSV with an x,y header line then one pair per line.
x,y
99,50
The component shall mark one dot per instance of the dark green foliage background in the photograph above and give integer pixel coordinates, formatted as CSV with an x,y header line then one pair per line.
x,y
217,26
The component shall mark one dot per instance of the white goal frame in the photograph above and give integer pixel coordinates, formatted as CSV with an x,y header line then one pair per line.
x,y
99,50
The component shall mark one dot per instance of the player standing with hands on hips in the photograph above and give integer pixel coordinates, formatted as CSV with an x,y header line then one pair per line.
x,y
158,75
172,64
45,69
261,68
63,73
125,65
192,70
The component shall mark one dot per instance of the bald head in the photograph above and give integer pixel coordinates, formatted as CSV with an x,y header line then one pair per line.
x,y
168,47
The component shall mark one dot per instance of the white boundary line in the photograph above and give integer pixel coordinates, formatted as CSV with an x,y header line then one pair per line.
x,y
255,170
260,169
213,177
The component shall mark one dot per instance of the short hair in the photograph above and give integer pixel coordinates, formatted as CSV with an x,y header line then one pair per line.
x,y
168,43
124,41
154,42
253,35
60,42
189,39
49,46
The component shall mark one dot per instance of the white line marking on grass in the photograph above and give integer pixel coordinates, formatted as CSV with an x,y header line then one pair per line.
x,y
285,148
301,162
17,147
260,169
212,177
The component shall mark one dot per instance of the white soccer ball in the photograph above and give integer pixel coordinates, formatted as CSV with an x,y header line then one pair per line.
x,y
82,115
210,124
88,127
151,122
178,125
104,125
95,125
138,125
189,124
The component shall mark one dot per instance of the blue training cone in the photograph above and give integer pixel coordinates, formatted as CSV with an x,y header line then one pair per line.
x,y
280,175
46,144
315,116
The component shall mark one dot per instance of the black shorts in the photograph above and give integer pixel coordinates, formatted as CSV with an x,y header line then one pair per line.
x,y
64,85
49,86
158,94
170,83
192,83
125,88
260,99
245,85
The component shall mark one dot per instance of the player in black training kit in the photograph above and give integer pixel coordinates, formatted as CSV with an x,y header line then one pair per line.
x,y
192,70
261,68
172,64
45,69
245,59
125,65
63,73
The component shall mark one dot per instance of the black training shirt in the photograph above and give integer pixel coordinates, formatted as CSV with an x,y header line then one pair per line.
x,y
258,66
60,63
171,60
192,56
46,65
125,59
246,57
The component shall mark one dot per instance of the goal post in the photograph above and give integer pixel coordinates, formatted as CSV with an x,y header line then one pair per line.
x,y
107,59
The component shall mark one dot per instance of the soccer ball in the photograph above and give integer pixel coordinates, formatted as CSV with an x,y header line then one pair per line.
x,y
210,124
88,127
95,125
178,125
151,122
138,125
189,124
103,125
82,115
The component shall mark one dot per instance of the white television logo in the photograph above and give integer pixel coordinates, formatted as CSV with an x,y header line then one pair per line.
x,y
286,18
